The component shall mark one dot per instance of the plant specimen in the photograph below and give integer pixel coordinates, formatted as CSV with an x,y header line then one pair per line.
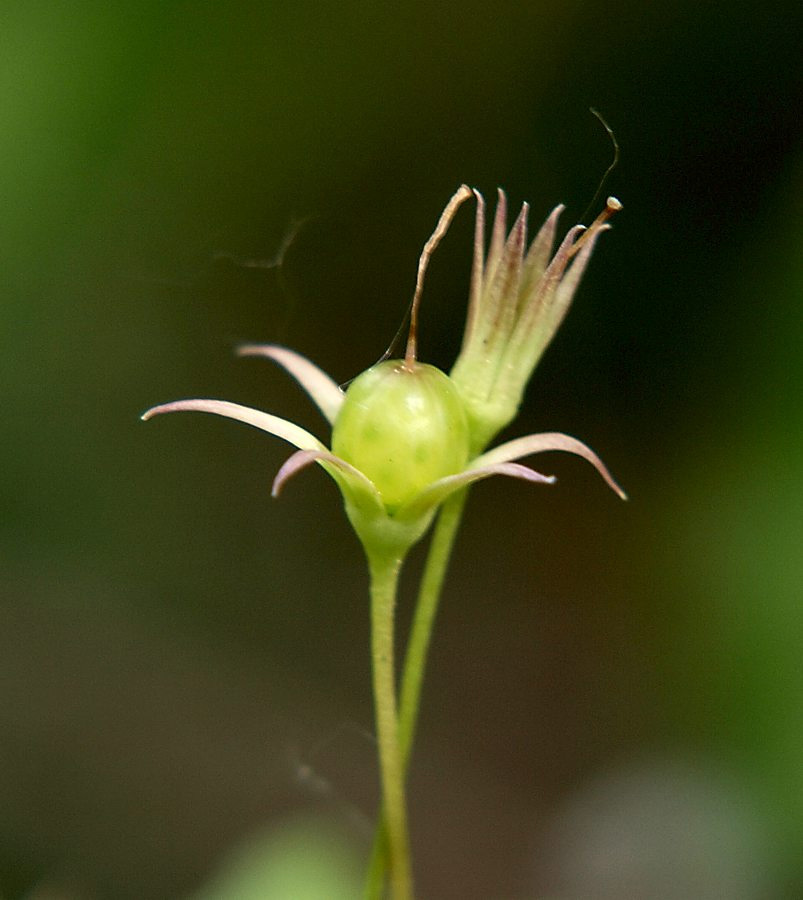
x,y
407,442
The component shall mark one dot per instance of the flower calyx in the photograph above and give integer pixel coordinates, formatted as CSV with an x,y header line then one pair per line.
x,y
406,436
518,298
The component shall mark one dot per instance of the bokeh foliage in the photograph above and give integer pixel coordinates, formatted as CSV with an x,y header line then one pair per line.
x,y
183,661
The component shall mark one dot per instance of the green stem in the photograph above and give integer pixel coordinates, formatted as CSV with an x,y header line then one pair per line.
x,y
429,594
415,659
384,578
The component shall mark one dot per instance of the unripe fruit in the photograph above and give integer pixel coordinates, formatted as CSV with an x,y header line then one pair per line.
x,y
402,426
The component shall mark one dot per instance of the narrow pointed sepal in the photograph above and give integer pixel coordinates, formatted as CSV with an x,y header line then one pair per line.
x,y
477,268
537,258
281,428
571,279
497,233
540,443
499,308
324,391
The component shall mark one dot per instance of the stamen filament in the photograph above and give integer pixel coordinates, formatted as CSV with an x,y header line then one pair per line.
x,y
612,205
461,194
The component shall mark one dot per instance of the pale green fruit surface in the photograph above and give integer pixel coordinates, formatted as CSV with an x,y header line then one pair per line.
x,y
402,427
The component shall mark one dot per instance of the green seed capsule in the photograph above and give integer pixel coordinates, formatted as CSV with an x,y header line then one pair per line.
x,y
403,427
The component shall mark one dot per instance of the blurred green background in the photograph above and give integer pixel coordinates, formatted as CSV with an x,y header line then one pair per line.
x,y
614,707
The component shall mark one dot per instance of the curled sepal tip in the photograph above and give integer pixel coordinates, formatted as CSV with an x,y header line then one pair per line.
x,y
288,431
359,489
540,443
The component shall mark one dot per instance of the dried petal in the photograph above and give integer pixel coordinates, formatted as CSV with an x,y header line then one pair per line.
x,y
539,443
288,431
352,482
438,491
324,391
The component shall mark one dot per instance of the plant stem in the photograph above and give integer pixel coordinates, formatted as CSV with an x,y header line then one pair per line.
x,y
384,578
429,594
415,660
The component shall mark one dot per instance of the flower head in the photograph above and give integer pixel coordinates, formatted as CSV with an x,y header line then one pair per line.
x,y
405,435
518,298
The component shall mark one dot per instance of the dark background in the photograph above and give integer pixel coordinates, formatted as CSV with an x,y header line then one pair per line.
x,y
614,707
